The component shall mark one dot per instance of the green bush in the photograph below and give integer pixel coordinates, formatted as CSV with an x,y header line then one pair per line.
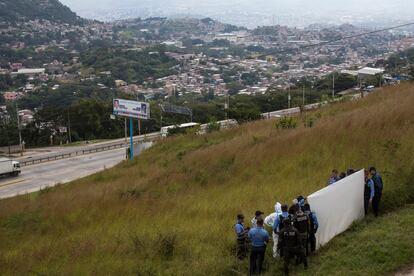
x,y
286,123
213,126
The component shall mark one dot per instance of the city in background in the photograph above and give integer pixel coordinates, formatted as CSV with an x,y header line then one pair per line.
x,y
59,74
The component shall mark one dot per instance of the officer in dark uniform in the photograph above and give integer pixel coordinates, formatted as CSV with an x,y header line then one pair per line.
x,y
290,239
278,226
241,236
378,186
313,227
369,191
301,223
293,209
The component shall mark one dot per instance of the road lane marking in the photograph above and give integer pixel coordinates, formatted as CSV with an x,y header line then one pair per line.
x,y
85,156
13,182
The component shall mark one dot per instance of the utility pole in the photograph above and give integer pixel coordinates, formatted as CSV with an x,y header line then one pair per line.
x,y
380,80
160,117
20,131
69,132
289,98
303,97
333,84
6,128
226,105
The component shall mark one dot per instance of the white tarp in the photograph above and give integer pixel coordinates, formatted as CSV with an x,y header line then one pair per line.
x,y
338,206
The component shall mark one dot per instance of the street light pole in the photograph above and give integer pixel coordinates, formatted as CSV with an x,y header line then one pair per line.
x,y
20,131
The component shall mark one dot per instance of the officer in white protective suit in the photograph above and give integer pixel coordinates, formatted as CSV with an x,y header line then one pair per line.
x,y
269,221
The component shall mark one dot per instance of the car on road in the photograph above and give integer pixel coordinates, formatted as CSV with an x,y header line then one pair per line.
x,y
9,167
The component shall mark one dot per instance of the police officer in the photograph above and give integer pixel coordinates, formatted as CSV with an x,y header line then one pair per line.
x,y
294,208
378,186
313,227
278,225
369,191
291,243
241,236
257,215
259,238
301,223
301,202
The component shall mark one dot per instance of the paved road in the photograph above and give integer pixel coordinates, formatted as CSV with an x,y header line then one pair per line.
x,y
35,177
52,153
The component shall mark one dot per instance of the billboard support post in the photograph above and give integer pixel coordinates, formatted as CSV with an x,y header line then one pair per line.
x,y
131,109
139,126
131,139
126,131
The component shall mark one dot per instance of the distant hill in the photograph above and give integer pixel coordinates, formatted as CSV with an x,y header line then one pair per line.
x,y
164,27
23,10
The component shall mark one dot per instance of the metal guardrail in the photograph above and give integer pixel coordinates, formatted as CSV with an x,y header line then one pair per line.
x,y
58,156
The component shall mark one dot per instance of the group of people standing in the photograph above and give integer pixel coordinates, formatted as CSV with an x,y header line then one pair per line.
x,y
293,235
372,189
294,227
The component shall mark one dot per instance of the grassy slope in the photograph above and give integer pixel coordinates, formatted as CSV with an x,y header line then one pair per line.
x,y
171,211
371,247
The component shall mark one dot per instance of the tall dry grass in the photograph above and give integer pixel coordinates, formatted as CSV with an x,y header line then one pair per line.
x,y
171,211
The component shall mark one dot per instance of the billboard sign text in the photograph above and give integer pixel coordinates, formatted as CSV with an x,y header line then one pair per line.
x,y
131,109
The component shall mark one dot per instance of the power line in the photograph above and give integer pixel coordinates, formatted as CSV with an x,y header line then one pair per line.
x,y
337,40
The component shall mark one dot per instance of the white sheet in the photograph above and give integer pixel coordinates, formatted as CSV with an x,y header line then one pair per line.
x,y
338,206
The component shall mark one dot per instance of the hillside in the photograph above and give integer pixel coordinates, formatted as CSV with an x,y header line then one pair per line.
x,y
171,211
24,10
162,28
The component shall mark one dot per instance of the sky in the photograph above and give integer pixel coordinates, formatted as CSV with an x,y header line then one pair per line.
x,y
251,11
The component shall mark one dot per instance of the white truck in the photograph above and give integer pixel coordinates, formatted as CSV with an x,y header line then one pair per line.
x,y
9,167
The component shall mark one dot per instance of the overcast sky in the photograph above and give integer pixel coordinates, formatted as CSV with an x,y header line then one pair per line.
x,y
392,9
338,4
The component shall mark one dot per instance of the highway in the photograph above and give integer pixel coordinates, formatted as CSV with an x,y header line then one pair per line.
x,y
48,154
39,176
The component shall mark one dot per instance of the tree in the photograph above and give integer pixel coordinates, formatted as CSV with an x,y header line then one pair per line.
x,y
234,87
250,78
220,43
285,67
5,82
412,71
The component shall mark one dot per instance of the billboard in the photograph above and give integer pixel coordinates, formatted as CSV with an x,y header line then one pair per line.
x,y
131,109
169,108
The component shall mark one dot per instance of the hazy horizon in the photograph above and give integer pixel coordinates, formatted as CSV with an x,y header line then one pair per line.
x,y
250,12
